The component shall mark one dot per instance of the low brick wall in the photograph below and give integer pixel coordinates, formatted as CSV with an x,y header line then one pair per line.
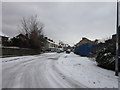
x,y
7,51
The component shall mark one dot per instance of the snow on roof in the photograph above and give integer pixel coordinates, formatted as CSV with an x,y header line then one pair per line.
x,y
2,34
51,42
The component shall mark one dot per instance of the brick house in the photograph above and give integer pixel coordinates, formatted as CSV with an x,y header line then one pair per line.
x,y
3,39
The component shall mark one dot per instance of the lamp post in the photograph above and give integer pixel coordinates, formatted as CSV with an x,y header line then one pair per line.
x,y
117,42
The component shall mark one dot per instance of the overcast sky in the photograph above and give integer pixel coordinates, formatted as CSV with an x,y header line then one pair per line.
x,y
65,21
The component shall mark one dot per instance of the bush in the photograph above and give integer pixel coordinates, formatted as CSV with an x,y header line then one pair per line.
x,y
105,58
106,55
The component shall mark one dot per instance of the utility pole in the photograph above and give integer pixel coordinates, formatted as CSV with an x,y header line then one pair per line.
x,y
117,42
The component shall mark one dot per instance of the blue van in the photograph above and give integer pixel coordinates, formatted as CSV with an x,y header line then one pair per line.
x,y
83,50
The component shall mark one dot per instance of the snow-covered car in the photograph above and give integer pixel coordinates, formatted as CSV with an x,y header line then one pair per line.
x,y
59,50
68,51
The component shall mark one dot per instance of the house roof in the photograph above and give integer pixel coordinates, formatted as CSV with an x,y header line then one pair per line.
x,y
50,41
23,36
83,41
2,34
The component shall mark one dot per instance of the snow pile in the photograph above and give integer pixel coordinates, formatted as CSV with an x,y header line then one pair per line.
x,y
86,72
46,54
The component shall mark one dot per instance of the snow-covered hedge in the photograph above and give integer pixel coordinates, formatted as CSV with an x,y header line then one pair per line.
x,y
106,55
106,58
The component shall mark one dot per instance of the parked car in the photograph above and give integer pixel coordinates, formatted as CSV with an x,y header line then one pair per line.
x,y
58,51
68,51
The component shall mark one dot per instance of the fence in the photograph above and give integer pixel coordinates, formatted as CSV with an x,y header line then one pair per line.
x,y
12,51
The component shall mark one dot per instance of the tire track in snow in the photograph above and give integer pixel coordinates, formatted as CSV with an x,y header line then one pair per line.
x,y
57,74
40,72
12,74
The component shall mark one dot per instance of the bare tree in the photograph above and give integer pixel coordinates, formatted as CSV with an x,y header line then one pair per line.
x,y
33,30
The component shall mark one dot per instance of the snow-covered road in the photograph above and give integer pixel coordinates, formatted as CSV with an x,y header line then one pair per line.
x,y
55,70
37,71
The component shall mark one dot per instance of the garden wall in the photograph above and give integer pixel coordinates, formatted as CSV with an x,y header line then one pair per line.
x,y
11,51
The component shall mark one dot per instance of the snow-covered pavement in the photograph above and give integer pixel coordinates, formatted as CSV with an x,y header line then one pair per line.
x,y
55,70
